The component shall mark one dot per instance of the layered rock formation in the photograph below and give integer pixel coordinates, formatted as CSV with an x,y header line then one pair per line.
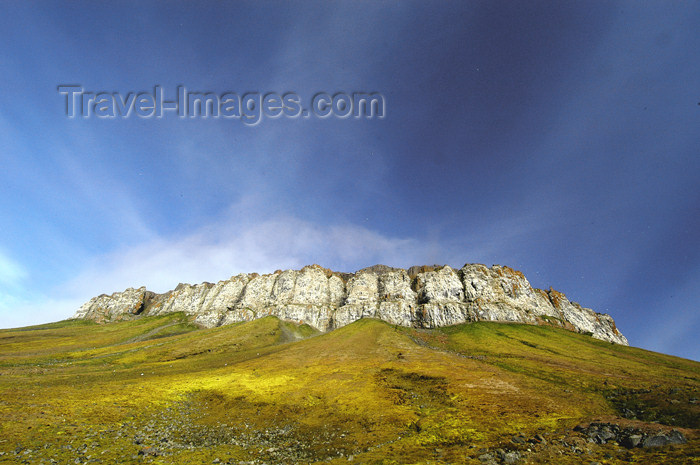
x,y
424,297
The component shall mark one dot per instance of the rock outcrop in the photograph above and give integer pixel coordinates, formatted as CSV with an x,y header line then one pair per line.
x,y
425,297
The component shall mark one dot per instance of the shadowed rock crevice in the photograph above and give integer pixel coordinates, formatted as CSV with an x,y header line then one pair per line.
x,y
422,296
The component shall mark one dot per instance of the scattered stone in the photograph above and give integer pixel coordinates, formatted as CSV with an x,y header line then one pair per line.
x,y
657,440
603,433
631,441
149,451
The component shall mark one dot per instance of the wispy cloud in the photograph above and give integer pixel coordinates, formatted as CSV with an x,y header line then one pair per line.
x,y
213,252
12,284
38,310
11,272
217,251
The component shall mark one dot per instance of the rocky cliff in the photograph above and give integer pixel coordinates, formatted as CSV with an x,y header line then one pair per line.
x,y
424,297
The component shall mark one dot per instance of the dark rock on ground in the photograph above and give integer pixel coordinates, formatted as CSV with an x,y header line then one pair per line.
x,y
603,433
673,437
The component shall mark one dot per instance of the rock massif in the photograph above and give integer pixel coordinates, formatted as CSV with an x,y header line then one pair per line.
x,y
423,297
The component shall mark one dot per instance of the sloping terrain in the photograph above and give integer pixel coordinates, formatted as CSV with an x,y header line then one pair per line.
x,y
160,390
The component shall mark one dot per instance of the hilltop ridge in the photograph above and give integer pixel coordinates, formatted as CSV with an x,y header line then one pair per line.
x,y
421,297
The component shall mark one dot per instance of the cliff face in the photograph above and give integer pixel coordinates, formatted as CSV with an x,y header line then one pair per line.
x,y
425,297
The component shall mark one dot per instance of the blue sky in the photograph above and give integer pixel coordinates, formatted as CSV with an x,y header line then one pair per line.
x,y
559,138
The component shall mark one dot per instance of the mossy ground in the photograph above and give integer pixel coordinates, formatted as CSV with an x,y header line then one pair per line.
x,y
159,390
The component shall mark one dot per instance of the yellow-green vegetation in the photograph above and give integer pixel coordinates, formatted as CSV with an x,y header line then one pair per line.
x,y
160,390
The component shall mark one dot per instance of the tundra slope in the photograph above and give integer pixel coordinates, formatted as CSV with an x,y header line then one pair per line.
x,y
420,297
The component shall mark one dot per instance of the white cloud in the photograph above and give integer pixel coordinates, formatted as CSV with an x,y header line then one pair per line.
x,y
233,245
211,253
16,307
11,272
217,251
20,313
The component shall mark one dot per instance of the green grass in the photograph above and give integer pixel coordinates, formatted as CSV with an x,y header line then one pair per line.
x,y
274,391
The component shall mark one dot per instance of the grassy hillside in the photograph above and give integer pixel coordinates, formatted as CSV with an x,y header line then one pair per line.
x,y
159,390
